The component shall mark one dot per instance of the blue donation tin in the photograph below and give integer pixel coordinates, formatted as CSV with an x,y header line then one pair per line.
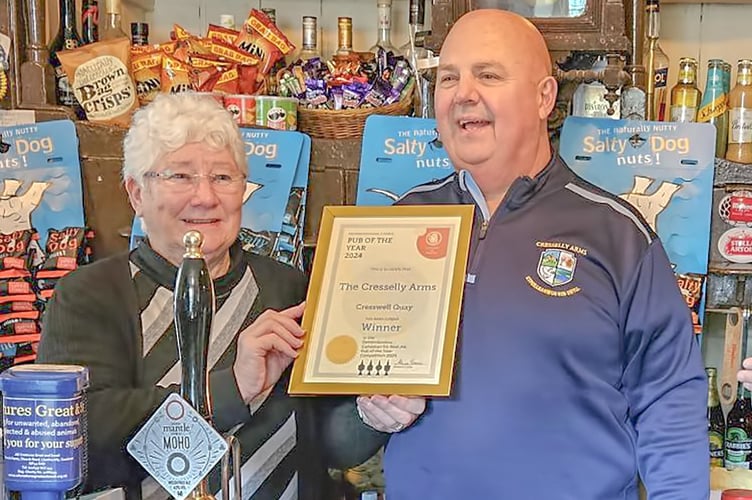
x,y
44,421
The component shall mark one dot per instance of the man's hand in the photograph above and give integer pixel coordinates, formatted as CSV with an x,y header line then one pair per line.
x,y
266,348
745,374
390,413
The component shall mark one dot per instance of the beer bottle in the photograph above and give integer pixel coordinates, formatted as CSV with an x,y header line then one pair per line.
x,y
739,432
714,107
90,21
67,38
344,36
660,61
716,423
740,115
685,96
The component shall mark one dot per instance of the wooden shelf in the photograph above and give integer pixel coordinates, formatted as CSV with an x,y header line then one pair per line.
x,y
145,5
723,479
695,2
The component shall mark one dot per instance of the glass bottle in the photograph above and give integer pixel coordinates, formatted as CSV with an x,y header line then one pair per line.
x,y
271,13
112,27
383,39
589,99
66,38
633,94
727,76
716,422
685,96
344,36
310,46
714,107
740,115
90,21
739,432
660,60
227,21
139,33
416,17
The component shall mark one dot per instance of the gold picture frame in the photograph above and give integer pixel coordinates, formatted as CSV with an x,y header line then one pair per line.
x,y
383,305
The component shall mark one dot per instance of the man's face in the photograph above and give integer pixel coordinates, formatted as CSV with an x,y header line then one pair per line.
x,y
170,210
486,99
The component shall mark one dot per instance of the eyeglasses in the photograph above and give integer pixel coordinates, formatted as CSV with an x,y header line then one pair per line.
x,y
182,182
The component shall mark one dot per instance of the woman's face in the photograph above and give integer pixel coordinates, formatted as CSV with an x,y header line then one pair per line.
x,y
172,205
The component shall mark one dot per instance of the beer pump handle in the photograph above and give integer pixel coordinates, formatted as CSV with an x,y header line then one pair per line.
x,y
194,311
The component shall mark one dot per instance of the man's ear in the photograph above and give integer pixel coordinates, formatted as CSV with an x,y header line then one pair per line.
x,y
135,194
547,89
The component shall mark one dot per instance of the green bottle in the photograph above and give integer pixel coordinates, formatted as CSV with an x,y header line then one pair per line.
x,y
739,432
716,422
714,106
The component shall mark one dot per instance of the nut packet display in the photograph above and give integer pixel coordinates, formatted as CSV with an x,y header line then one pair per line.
x,y
64,248
691,286
100,76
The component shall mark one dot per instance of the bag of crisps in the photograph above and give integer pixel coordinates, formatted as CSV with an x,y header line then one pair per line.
x,y
100,75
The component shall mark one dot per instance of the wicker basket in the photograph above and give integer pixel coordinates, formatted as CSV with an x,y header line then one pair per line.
x,y
348,123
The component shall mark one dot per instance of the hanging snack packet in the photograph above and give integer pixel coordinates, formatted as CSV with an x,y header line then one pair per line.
x,y
64,248
15,254
100,76
691,286
14,287
18,326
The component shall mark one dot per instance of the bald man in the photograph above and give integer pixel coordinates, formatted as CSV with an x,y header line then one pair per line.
x,y
577,370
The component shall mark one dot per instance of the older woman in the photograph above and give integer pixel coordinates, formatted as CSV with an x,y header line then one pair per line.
x,y
185,169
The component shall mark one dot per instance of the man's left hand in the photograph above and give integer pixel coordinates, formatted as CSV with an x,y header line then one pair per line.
x,y
390,413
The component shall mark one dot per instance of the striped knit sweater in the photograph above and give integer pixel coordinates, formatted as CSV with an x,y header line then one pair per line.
x,y
115,316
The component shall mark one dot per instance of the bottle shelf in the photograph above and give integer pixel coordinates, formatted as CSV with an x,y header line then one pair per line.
x,y
730,172
144,5
724,479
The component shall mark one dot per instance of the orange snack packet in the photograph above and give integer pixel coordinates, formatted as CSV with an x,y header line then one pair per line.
x,y
179,33
168,47
248,82
147,73
228,82
176,75
232,53
261,38
100,76
206,71
188,47
227,35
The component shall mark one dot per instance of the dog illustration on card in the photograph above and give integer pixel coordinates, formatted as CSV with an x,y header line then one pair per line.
x,y
17,206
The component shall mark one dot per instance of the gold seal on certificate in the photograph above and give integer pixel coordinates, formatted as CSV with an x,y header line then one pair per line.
x,y
384,302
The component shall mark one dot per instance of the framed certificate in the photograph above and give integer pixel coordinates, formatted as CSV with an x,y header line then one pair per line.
x,y
383,305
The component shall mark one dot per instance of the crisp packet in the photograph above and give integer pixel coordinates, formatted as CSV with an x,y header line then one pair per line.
x,y
100,75
261,38
147,73
176,75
